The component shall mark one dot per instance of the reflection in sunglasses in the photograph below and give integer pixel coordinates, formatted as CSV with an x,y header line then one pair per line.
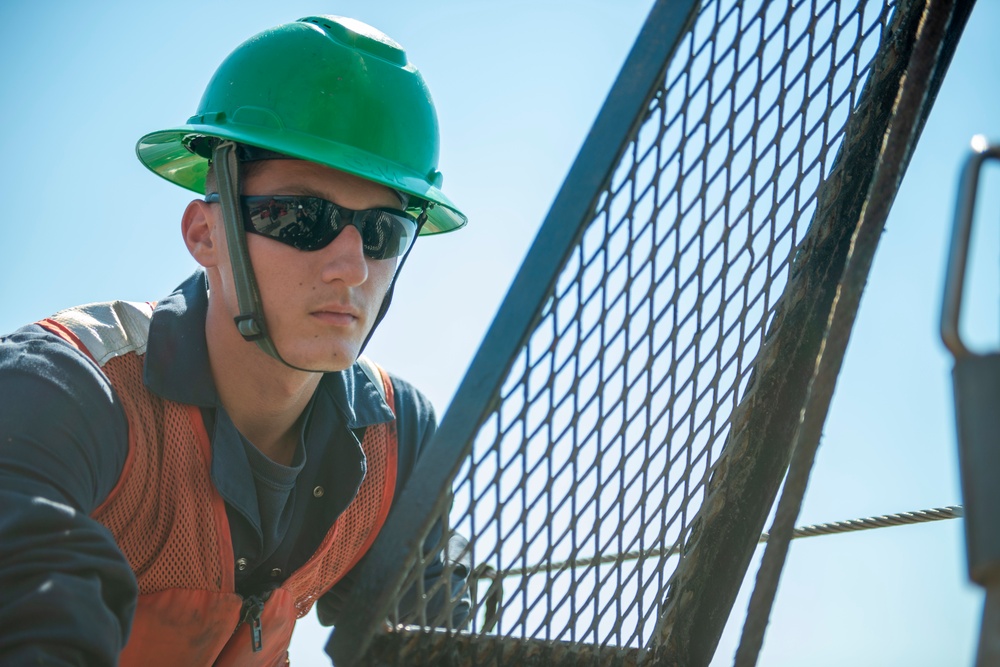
x,y
311,223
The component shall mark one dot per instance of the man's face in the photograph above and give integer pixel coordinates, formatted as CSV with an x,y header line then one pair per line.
x,y
318,305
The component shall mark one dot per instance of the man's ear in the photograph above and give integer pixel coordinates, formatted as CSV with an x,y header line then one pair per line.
x,y
202,231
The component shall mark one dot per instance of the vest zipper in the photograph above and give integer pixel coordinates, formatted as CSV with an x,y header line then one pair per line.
x,y
253,606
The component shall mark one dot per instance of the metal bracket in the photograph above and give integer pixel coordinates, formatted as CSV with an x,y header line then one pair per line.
x,y
977,414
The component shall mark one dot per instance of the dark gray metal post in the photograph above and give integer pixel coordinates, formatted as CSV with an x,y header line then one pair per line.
x,y
977,397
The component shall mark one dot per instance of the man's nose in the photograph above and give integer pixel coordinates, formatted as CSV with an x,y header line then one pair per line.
x,y
344,258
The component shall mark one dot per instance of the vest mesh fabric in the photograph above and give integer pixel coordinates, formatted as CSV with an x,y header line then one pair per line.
x,y
170,522
357,527
164,512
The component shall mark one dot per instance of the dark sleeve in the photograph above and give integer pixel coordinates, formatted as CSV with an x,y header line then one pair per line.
x,y
449,568
67,594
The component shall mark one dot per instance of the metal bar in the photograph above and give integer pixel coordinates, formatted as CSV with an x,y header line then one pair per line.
x,y
425,496
976,380
988,650
767,422
441,649
961,236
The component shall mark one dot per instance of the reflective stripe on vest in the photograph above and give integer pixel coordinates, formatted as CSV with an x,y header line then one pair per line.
x,y
170,522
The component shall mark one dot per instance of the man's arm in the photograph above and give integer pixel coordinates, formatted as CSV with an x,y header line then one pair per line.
x,y
67,594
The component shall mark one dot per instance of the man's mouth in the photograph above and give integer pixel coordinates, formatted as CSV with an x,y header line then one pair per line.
x,y
336,315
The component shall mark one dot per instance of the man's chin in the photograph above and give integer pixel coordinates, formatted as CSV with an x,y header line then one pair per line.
x,y
324,363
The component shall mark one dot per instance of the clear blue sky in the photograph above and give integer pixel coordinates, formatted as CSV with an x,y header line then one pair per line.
x,y
517,85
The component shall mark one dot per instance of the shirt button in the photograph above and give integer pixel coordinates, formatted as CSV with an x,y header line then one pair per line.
x,y
241,564
276,572
318,492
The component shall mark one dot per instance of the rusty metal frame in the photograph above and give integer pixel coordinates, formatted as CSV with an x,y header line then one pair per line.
x,y
789,398
442,649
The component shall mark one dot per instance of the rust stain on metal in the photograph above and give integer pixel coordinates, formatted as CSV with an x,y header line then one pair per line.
x,y
769,418
418,647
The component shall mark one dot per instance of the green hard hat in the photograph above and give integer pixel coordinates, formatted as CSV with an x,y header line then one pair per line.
x,y
327,89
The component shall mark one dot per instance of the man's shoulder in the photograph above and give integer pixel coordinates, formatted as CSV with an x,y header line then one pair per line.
x,y
41,367
406,391
410,402
107,329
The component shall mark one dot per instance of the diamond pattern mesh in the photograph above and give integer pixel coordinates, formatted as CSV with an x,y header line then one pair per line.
x,y
584,480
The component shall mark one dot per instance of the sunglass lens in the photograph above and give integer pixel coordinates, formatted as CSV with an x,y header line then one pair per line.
x,y
383,234
309,223
293,221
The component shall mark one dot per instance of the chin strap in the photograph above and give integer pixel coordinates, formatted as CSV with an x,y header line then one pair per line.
x,y
250,322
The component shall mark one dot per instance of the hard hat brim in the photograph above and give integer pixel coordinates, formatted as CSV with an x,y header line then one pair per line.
x,y
166,154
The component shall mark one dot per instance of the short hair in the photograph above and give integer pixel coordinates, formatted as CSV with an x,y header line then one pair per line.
x,y
246,170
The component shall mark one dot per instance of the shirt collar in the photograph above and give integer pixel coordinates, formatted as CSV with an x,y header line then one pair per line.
x,y
177,366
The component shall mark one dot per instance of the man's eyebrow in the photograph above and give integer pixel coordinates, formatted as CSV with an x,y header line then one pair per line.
x,y
297,190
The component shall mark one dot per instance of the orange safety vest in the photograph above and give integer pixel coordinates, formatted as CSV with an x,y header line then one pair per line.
x,y
170,522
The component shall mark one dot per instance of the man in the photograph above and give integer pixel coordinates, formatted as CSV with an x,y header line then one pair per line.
x,y
180,481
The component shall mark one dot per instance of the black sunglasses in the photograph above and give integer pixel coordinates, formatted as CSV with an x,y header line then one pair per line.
x,y
311,223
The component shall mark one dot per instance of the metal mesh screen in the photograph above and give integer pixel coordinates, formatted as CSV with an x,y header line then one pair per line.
x,y
583,482
673,336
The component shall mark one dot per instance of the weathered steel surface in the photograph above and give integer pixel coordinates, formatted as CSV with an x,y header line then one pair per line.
x,y
416,648
910,107
769,420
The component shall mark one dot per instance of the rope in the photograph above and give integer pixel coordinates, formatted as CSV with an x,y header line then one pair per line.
x,y
493,598
885,521
848,526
